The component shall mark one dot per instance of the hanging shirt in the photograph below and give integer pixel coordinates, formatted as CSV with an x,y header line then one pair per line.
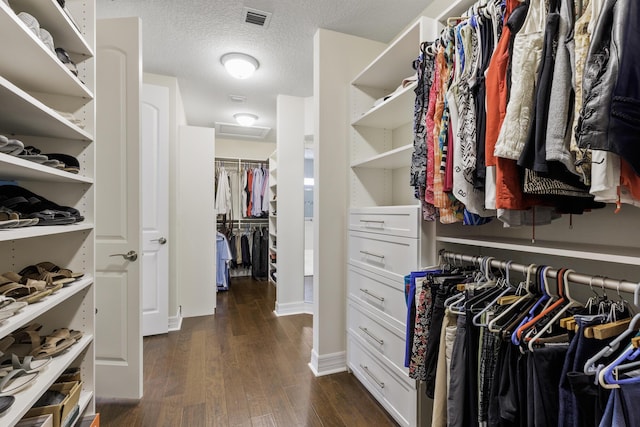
x,y
223,196
256,192
223,254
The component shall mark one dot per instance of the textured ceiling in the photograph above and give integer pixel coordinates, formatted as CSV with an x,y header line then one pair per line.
x,y
187,38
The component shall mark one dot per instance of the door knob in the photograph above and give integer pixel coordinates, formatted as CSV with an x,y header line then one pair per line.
x,y
129,256
161,240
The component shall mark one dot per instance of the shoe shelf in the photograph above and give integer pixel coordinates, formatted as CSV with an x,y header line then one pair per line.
x,y
9,234
22,114
32,311
391,159
27,397
15,168
392,113
35,68
54,19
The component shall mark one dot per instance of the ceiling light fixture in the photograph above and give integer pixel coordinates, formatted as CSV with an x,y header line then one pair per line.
x,y
239,65
245,119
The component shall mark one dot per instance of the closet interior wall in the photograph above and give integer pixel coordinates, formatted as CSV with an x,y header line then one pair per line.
x,y
236,223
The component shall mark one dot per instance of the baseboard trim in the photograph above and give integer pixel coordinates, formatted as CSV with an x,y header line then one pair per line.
x,y
291,308
328,364
175,323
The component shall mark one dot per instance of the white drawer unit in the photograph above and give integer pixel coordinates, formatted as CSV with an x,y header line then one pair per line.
x,y
392,220
395,394
387,255
383,296
380,337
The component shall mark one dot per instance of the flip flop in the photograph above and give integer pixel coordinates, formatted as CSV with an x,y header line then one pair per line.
x,y
6,402
16,380
9,307
28,363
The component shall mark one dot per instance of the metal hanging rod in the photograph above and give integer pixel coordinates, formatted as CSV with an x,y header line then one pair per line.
x,y
582,279
236,161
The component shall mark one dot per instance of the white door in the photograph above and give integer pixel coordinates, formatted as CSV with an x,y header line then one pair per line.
x,y
118,217
155,209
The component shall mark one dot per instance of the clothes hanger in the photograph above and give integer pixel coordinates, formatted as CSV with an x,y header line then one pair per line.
x,y
541,303
507,314
517,334
572,303
590,366
606,376
506,289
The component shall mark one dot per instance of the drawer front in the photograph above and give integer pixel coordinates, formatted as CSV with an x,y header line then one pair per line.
x,y
382,296
398,397
380,337
387,255
397,221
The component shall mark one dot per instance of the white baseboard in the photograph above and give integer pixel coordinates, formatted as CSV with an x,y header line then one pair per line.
x,y
292,308
328,364
175,322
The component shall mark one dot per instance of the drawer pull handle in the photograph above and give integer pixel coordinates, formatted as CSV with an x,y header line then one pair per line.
x,y
373,377
373,221
366,291
373,337
372,254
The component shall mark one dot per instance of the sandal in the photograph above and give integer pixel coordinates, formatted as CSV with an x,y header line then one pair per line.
x,y
50,278
9,307
41,285
16,380
52,268
53,346
27,363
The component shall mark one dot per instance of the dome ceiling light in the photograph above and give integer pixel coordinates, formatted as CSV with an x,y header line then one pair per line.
x,y
245,119
239,65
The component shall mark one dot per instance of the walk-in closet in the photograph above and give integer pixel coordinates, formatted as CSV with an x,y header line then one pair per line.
x,y
419,214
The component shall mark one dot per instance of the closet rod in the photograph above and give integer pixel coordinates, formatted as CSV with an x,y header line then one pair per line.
x,y
232,160
582,279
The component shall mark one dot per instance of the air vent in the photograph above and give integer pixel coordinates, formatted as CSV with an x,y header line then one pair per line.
x,y
233,130
238,98
256,17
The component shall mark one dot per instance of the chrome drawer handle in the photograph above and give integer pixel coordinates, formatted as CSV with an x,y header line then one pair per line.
x,y
373,337
366,291
372,254
373,221
373,377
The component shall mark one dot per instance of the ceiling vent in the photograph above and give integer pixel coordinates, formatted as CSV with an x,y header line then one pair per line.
x,y
256,17
236,131
238,98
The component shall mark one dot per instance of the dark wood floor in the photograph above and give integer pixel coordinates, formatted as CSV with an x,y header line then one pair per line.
x,y
242,367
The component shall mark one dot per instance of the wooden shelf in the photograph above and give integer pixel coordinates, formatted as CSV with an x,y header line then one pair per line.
x,y
392,159
26,398
14,168
22,114
601,253
392,66
33,67
39,231
392,113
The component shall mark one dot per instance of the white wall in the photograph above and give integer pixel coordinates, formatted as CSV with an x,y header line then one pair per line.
x,y
337,60
196,266
177,118
290,219
243,149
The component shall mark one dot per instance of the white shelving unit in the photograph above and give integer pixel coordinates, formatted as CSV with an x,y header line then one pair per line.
x,y
34,87
385,235
273,223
